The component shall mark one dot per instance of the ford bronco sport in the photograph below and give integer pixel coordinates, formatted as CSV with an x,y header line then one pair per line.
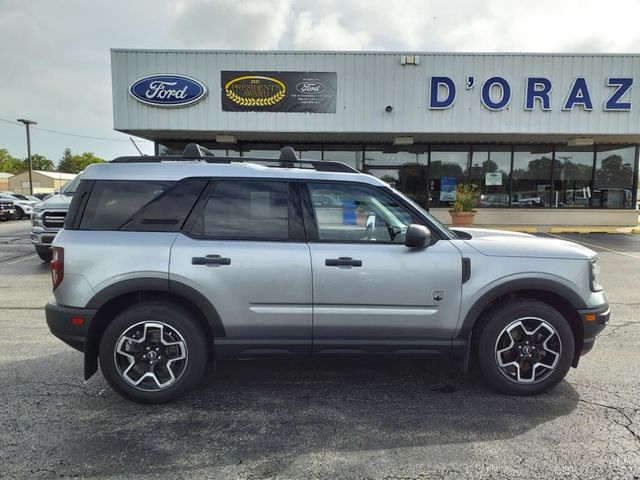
x,y
167,262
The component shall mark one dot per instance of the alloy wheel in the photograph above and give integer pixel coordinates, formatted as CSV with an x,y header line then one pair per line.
x,y
151,356
528,350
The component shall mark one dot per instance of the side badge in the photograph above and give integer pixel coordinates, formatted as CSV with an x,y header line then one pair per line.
x,y
438,295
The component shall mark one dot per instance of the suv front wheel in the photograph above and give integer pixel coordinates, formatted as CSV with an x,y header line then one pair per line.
x,y
44,253
525,347
153,352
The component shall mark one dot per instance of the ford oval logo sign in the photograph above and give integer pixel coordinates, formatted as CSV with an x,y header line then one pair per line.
x,y
310,87
168,90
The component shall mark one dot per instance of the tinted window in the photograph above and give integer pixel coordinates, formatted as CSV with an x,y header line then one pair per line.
x,y
112,203
168,212
245,209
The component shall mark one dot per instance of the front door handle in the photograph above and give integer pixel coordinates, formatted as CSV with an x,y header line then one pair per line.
x,y
342,262
210,260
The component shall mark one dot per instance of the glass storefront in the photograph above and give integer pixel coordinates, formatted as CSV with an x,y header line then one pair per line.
x,y
490,171
447,169
613,181
531,183
572,177
507,176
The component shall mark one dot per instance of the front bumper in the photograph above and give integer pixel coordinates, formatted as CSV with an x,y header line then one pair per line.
x,y
43,238
593,322
64,323
7,214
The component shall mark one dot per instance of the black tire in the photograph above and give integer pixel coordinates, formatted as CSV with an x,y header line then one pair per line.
x,y
19,214
180,325
44,253
521,379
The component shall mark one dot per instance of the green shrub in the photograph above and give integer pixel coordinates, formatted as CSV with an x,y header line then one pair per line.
x,y
466,198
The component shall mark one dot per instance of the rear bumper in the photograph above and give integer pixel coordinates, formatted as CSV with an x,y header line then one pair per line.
x,y
593,322
59,320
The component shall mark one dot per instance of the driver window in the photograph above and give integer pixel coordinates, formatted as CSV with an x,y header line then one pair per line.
x,y
357,213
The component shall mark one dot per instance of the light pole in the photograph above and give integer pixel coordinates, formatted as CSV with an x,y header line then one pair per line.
x,y
26,124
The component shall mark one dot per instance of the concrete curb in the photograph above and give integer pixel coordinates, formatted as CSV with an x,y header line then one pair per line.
x,y
592,229
563,229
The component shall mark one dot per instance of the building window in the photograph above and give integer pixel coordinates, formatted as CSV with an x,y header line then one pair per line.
x,y
378,158
532,177
613,180
447,169
490,171
572,176
349,154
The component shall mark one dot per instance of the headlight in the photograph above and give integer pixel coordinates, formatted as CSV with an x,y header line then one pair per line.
x,y
594,273
36,217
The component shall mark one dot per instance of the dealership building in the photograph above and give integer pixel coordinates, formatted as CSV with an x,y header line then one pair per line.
x,y
549,139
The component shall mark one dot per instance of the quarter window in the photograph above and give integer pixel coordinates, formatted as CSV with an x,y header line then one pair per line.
x,y
113,202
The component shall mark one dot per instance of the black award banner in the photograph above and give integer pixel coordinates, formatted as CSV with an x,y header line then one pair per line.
x,y
313,92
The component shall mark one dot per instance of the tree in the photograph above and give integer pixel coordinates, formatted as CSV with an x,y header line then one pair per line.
x,y
8,163
86,159
70,163
66,162
38,162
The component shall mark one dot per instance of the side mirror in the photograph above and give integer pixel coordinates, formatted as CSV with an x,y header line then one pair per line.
x,y
417,236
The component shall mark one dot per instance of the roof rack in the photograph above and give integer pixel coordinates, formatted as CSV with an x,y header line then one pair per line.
x,y
287,159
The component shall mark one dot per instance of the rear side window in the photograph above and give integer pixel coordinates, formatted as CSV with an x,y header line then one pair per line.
x,y
113,202
168,212
244,209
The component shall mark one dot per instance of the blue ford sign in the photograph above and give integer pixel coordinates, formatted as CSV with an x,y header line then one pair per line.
x,y
168,90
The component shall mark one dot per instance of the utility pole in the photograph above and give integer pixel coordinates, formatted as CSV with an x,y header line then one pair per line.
x,y
26,124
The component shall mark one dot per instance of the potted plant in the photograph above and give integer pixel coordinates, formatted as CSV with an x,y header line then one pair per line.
x,y
464,205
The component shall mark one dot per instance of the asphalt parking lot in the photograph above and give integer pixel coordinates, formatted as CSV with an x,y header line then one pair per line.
x,y
375,419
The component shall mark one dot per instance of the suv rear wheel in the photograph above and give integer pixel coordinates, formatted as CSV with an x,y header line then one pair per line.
x,y
153,352
525,347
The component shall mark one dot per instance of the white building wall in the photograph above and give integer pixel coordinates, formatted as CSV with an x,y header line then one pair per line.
x,y
367,82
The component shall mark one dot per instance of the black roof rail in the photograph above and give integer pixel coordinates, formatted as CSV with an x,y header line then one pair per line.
x,y
287,159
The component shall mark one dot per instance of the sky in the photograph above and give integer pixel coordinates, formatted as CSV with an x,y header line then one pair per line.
x,y
55,54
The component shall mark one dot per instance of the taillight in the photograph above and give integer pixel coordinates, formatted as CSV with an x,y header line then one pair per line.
x,y
57,266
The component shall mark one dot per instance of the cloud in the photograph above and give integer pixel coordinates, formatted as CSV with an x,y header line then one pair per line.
x,y
230,24
327,33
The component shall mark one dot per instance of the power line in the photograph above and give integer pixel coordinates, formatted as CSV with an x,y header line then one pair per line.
x,y
71,134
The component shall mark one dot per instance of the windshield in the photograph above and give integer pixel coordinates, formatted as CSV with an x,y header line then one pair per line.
x,y
69,188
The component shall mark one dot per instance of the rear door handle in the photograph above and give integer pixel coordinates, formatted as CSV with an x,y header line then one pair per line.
x,y
210,260
342,262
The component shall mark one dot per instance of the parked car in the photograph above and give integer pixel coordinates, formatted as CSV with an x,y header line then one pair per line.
x,y
27,198
23,208
7,209
48,218
164,265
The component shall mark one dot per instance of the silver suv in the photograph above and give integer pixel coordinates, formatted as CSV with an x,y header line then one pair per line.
x,y
167,262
